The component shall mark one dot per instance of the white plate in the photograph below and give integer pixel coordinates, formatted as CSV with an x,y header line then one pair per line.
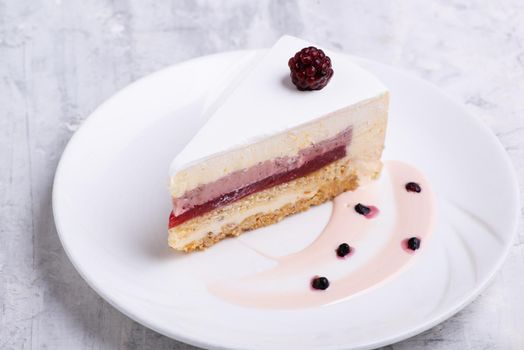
x,y
111,204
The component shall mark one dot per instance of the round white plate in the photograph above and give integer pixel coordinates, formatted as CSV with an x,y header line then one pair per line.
x,y
111,206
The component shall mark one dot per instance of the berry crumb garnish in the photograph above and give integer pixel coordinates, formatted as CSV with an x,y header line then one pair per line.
x,y
343,250
413,187
310,69
362,209
321,283
414,243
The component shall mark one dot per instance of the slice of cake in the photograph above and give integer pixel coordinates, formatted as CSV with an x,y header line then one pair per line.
x,y
270,150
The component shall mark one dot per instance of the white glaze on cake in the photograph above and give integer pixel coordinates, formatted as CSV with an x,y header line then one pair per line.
x,y
265,103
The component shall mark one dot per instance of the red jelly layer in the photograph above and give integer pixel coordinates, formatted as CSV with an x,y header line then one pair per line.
x,y
274,180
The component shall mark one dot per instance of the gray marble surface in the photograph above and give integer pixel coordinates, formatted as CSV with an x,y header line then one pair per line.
x,y
59,59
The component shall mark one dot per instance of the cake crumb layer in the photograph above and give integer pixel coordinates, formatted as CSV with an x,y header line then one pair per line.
x,y
316,188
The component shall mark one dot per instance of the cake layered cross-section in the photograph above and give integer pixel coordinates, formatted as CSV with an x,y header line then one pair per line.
x,y
270,150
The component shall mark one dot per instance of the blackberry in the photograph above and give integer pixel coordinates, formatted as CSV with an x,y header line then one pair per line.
x,y
413,243
343,250
310,69
321,283
362,209
413,187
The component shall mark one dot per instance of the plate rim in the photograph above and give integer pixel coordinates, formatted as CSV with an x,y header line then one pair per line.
x,y
179,336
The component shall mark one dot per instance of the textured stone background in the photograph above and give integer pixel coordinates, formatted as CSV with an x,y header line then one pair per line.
x,y
59,59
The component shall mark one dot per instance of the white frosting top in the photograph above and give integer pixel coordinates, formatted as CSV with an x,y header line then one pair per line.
x,y
265,102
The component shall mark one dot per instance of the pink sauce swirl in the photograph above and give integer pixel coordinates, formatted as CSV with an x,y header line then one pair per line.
x,y
286,286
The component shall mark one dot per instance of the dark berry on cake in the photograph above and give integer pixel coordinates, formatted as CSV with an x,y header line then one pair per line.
x,y
343,250
413,187
362,209
413,243
310,69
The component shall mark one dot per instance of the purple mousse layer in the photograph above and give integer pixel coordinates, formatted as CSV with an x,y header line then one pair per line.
x,y
243,178
268,182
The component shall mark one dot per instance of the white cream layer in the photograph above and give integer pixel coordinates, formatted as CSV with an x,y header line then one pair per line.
x,y
265,103
215,227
